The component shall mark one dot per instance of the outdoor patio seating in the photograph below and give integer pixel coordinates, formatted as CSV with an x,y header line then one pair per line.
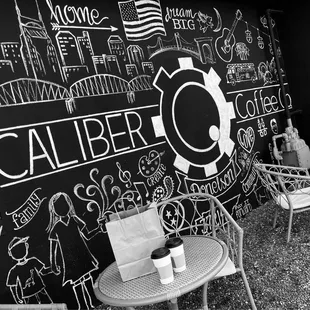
x,y
205,215
289,187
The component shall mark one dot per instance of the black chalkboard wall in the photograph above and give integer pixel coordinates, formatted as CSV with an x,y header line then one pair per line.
x,y
122,101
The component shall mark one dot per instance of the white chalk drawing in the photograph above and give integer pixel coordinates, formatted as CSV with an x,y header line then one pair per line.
x,y
243,208
71,53
260,40
68,16
68,234
185,19
262,129
201,48
103,84
246,138
244,160
181,18
56,26
38,62
132,129
215,185
268,72
143,192
248,34
124,175
28,90
135,55
204,21
23,215
224,44
274,126
219,21
163,192
241,72
104,198
141,19
11,53
149,164
117,47
249,174
76,63
264,22
25,278
242,51
171,88
256,102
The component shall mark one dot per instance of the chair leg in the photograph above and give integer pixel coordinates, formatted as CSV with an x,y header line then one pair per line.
x,y
205,297
290,220
173,304
275,218
248,290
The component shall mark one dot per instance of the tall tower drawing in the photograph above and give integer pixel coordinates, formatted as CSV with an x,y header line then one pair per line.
x,y
37,50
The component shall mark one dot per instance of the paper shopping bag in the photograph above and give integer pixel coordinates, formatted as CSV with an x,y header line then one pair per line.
x,y
133,239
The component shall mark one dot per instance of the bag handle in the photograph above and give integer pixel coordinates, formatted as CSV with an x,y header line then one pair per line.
x,y
136,213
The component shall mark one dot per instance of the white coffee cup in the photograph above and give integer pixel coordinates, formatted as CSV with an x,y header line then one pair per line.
x,y
162,261
175,245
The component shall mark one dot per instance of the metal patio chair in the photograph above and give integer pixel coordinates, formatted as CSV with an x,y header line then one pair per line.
x,y
203,214
289,188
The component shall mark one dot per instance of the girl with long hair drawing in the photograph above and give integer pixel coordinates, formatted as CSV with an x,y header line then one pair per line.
x,y
68,234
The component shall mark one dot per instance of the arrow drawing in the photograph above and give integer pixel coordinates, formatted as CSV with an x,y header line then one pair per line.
x,y
56,26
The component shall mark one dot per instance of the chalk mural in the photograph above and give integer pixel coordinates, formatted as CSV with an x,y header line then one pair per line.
x,y
110,106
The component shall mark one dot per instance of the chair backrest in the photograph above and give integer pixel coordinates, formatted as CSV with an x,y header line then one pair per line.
x,y
282,179
202,214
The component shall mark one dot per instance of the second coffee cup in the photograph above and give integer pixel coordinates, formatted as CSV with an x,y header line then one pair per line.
x,y
175,245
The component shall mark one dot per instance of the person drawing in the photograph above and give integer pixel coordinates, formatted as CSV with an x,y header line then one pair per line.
x,y
68,234
25,277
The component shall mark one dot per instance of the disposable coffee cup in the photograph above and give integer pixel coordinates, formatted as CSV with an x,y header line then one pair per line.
x,y
175,245
162,261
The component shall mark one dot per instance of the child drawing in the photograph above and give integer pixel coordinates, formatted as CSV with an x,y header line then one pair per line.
x,y
24,278
68,234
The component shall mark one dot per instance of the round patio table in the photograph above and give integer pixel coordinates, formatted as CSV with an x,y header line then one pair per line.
x,y
205,257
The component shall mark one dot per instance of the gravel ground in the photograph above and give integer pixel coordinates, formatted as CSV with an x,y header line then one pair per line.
x,y
278,272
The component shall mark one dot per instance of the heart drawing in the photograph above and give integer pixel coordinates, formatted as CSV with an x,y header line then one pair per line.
x,y
246,138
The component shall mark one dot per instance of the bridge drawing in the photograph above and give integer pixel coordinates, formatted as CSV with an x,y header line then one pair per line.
x,y
28,90
202,48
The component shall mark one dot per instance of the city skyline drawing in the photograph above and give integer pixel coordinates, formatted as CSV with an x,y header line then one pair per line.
x,y
41,67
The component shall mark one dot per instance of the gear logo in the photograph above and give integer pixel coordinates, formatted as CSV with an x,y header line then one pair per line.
x,y
194,116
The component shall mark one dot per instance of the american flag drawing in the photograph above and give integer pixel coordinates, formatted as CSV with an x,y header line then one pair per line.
x,y
141,19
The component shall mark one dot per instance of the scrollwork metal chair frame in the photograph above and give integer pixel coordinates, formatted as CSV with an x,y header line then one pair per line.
x,y
209,217
289,188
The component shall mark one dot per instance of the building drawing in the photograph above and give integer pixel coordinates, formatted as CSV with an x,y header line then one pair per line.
x,y
37,50
148,67
117,47
87,51
11,52
135,55
69,49
6,70
131,70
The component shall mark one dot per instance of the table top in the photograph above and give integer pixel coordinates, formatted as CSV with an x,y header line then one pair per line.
x,y
205,256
